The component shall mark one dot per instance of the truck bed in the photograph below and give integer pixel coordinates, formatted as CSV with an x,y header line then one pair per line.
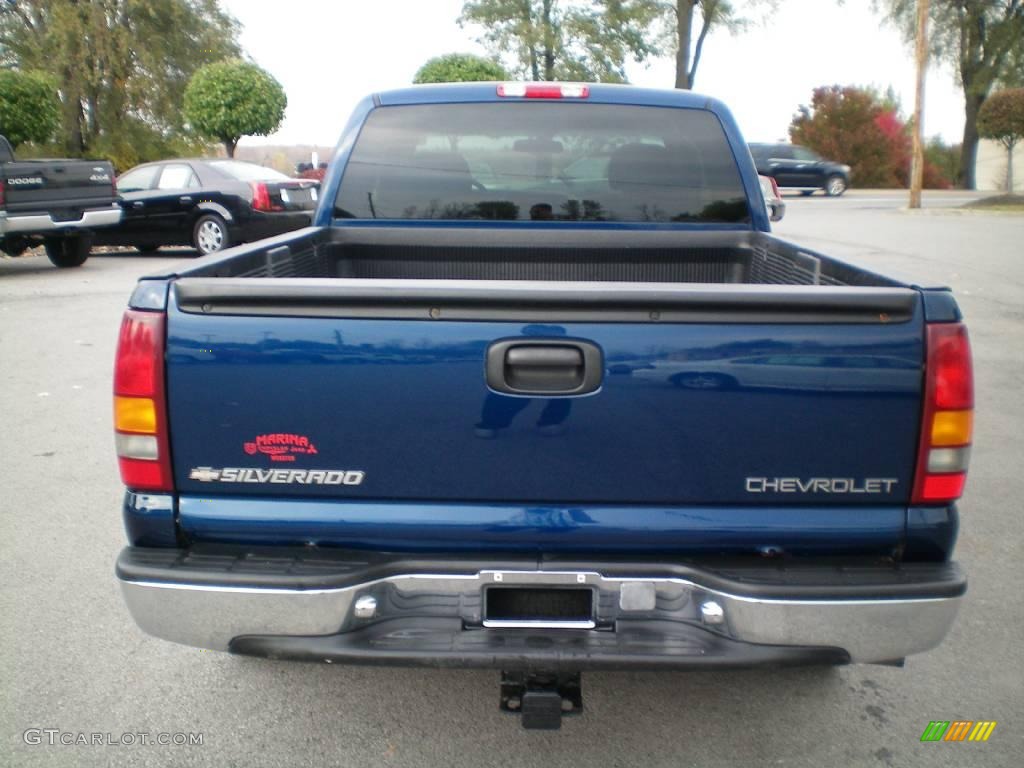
x,y
741,257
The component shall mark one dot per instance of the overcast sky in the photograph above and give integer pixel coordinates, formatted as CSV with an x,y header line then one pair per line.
x,y
329,53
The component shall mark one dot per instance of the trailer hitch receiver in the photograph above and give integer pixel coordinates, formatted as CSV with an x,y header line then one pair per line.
x,y
541,698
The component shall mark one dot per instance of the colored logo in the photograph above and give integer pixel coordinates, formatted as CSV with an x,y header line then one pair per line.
x,y
958,730
280,446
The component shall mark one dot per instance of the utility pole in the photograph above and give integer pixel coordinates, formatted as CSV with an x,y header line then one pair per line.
x,y
921,56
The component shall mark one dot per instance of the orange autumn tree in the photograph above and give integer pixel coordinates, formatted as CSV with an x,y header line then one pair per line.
x,y
863,129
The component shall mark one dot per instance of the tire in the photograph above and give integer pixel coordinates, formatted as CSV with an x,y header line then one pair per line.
x,y
14,246
835,185
210,234
67,252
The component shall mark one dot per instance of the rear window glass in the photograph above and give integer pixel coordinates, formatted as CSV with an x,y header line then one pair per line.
x,y
760,152
542,161
248,171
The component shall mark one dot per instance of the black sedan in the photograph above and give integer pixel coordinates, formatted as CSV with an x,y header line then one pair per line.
x,y
209,204
799,168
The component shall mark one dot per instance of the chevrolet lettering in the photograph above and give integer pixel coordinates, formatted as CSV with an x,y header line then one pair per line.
x,y
820,485
611,421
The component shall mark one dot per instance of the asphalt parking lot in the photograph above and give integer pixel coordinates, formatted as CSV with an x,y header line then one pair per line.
x,y
73,660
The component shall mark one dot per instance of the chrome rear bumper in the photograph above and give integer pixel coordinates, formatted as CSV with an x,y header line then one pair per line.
x,y
43,222
685,618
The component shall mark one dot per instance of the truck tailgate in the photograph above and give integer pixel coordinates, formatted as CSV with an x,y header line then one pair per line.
x,y
54,184
722,408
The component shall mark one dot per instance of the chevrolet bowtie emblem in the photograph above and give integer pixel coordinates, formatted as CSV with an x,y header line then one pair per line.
x,y
205,474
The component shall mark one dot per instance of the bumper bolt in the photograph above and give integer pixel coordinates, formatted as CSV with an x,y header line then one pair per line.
x,y
712,613
366,607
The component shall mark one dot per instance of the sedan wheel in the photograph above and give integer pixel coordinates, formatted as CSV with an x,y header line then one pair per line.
x,y
835,186
210,235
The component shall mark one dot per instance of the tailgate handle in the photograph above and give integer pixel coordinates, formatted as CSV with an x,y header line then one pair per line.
x,y
544,367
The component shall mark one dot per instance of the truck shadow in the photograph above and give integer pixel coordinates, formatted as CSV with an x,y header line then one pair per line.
x,y
176,252
644,708
34,262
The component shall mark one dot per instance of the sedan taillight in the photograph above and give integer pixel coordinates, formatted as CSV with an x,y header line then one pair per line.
x,y
260,196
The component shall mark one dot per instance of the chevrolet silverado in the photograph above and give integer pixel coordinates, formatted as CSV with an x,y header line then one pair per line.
x,y
540,392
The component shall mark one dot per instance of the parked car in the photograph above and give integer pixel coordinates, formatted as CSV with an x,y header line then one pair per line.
x,y
304,460
57,203
772,198
308,171
799,168
209,204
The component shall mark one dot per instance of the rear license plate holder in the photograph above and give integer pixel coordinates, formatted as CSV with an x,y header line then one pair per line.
x,y
536,606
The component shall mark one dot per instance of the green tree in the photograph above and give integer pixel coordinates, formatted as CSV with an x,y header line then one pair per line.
x,y
121,66
1013,76
231,99
29,107
945,158
679,17
983,40
1002,118
459,68
564,40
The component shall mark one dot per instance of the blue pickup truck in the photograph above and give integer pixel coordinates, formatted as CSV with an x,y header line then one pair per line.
x,y
540,392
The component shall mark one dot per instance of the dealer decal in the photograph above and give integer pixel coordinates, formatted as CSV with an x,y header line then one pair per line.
x,y
277,476
280,446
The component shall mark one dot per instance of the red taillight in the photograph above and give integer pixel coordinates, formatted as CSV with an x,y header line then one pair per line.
x,y
544,90
949,358
948,416
140,411
260,196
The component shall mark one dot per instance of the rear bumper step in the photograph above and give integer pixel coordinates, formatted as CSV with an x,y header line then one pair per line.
x,y
359,607
635,644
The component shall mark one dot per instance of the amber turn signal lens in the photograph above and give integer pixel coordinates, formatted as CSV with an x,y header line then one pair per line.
x,y
952,428
135,414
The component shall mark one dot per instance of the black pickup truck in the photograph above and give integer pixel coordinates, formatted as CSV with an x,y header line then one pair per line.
x,y
56,203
